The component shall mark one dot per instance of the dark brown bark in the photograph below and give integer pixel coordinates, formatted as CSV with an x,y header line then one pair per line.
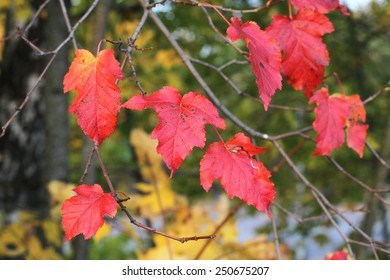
x,y
22,147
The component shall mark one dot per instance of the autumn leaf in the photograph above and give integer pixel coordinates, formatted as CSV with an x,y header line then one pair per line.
x,y
334,114
305,55
338,255
356,130
98,97
264,54
321,6
181,122
84,212
240,175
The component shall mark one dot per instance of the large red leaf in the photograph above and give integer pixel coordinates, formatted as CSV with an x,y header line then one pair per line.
x,y
240,175
181,122
264,54
321,6
334,114
305,55
84,212
98,99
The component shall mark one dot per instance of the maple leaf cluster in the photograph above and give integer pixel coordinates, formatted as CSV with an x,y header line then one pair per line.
x,y
290,46
293,46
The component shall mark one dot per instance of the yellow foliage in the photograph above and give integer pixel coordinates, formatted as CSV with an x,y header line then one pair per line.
x,y
37,252
157,196
167,58
59,192
54,232
194,221
102,232
11,241
183,220
126,29
20,239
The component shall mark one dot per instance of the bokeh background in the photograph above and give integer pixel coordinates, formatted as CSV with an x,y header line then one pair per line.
x,y
43,152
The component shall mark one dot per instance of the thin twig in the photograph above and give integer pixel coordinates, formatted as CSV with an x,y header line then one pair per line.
x,y
88,163
386,88
359,182
131,45
203,83
34,17
54,55
219,227
132,220
378,157
151,6
276,237
67,22
230,10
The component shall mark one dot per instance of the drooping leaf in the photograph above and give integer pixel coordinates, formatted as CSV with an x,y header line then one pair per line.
x,y
264,54
305,55
321,6
334,114
98,97
181,122
240,175
338,255
84,212
356,130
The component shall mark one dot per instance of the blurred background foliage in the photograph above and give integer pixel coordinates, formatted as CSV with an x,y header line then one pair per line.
x,y
360,56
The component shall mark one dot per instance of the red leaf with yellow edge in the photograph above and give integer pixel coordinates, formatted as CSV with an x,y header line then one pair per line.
x,y
98,97
305,55
84,212
321,6
338,255
356,130
264,54
239,174
334,114
181,122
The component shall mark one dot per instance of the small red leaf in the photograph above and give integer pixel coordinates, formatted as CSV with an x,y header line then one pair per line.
x,y
356,130
240,175
321,6
181,122
333,114
264,54
305,55
98,100
338,255
84,212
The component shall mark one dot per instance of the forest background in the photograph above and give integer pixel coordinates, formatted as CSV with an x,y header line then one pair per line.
x,y
43,153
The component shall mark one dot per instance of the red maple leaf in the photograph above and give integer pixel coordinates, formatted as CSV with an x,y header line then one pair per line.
x,y
305,55
181,122
98,99
240,175
321,6
264,54
334,114
338,255
84,212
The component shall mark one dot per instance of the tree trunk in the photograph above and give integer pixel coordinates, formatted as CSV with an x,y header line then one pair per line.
x,y
22,147
56,113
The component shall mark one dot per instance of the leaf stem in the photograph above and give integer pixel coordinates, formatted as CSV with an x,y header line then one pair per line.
x,y
215,8
289,10
99,45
